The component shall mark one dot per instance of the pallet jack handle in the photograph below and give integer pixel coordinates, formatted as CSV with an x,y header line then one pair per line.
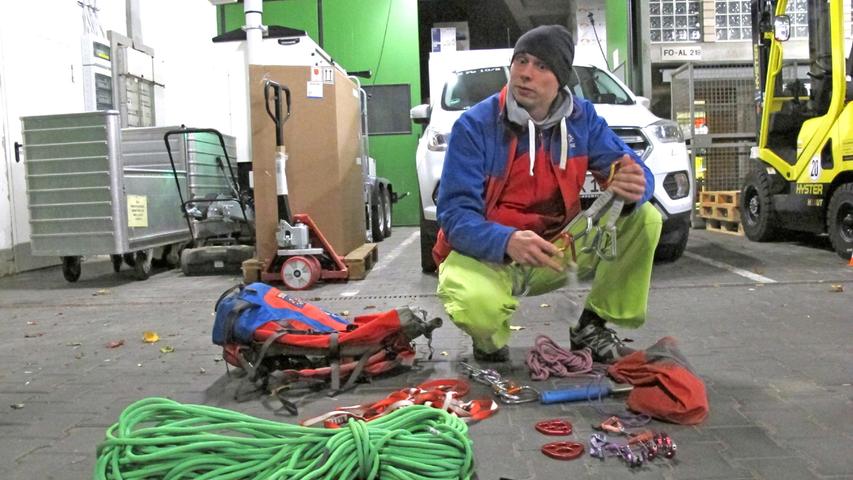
x,y
276,115
279,119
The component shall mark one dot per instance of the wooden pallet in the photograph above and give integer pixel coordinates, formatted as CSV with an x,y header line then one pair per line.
x,y
361,260
721,206
724,226
727,197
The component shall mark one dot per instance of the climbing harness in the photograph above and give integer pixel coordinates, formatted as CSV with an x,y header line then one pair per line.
x,y
444,394
507,391
161,438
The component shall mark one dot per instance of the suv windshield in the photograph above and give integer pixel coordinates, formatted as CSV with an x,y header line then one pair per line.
x,y
468,87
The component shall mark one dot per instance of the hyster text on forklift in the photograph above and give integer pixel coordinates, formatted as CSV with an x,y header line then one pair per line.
x,y
802,177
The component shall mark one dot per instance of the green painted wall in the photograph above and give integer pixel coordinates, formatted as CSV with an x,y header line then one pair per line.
x,y
617,18
377,35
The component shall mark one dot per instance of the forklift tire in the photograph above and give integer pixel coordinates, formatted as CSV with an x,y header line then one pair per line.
x,y
839,220
71,268
756,208
386,205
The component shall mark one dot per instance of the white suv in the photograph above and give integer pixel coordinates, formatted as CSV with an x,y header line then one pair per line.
x,y
474,75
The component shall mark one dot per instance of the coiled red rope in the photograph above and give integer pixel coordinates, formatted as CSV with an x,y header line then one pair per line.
x,y
547,359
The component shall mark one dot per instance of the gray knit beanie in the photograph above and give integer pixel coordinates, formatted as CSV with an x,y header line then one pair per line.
x,y
552,44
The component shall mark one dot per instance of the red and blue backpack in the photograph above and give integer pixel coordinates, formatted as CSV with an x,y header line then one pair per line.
x,y
265,331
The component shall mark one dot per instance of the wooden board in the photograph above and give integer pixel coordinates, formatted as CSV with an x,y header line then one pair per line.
x,y
361,260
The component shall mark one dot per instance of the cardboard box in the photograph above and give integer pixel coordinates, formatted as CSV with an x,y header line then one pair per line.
x,y
321,140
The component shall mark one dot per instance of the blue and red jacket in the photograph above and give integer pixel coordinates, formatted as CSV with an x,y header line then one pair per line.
x,y
480,151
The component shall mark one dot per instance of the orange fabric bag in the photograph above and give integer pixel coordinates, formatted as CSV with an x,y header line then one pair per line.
x,y
665,386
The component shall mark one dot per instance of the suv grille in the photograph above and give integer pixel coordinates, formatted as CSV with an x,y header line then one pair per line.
x,y
634,138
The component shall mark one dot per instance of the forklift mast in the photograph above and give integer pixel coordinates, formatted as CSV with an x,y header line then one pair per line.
x,y
784,105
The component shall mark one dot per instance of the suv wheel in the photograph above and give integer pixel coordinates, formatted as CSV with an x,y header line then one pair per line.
x,y
429,232
673,240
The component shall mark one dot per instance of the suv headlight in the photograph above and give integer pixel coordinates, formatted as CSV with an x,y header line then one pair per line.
x,y
436,141
666,131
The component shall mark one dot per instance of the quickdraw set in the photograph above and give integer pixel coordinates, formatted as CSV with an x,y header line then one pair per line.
x,y
639,448
601,241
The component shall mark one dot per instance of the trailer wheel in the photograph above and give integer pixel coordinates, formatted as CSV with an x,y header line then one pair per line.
x,y
142,264
377,223
117,261
385,204
300,273
839,220
71,268
756,208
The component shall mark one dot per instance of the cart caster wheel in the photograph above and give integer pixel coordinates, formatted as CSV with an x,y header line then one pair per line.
x,y
117,260
142,264
300,273
129,259
172,255
71,268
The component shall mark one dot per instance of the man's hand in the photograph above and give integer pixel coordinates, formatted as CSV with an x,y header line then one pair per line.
x,y
629,182
528,248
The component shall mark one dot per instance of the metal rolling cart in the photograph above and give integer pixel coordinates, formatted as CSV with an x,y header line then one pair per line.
x,y
97,189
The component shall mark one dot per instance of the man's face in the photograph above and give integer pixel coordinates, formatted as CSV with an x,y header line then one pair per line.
x,y
533,84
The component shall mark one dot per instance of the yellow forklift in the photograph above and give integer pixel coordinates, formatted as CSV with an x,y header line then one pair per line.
x,y
802,168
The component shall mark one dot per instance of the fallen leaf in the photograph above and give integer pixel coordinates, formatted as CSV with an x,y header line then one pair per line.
x,y
544,305
444,354
17,406
166,349
344,313
115,343
516,327
150,337
369,307
32,322
202,371
33,335
102,291
73,344
836,287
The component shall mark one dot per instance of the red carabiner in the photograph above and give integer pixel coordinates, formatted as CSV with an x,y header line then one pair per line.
x,y
563,450
555,426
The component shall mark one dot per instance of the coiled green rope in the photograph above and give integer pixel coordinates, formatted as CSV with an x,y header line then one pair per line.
x,y
161,438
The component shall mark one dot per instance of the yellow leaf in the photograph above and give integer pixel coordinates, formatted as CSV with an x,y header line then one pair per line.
x,y
150,337
516,327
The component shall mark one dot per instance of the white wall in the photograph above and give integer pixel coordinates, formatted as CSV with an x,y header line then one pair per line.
x,y
40,64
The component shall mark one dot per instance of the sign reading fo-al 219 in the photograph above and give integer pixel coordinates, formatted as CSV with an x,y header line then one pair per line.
x,y
681,53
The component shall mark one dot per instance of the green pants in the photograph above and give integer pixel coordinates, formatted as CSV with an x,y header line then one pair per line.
x,y
480,298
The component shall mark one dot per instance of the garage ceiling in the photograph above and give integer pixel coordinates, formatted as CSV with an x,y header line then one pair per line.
x,y
532,13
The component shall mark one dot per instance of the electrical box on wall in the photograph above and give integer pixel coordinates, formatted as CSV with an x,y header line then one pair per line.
x,y
97,73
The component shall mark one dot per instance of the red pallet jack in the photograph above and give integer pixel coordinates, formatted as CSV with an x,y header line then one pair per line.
x,y
304,256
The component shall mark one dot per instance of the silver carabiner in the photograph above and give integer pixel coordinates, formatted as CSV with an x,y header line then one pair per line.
x,y
525,394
